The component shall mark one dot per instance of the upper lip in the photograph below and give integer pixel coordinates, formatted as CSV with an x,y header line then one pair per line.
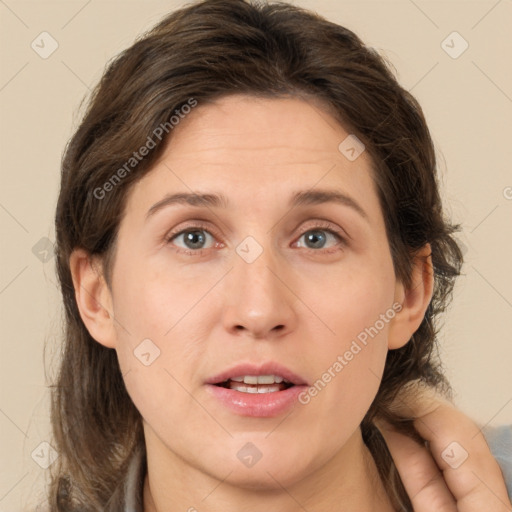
x,y
268,368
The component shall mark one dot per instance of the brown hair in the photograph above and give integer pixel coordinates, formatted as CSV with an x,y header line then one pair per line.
x,y
204,51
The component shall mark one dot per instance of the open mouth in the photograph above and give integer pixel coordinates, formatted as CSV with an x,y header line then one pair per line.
x,y
258,391
256,384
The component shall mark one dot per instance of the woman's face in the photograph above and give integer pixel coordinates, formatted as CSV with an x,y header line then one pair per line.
x,y
271,268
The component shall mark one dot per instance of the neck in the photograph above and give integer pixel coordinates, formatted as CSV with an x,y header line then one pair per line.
x,y
348,482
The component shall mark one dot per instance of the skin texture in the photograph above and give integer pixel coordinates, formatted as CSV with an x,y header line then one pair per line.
x,y
208,309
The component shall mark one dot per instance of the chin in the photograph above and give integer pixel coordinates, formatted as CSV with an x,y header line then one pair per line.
x,y
262,465
263,478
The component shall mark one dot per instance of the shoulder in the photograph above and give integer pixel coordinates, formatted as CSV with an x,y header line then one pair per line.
x,y
499,440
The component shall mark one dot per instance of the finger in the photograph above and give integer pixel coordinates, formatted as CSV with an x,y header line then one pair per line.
x,y
460,450
420,475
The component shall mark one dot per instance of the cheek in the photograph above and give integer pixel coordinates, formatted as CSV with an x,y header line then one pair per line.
x,y
159,337
345,387
349,299
357,306
152,302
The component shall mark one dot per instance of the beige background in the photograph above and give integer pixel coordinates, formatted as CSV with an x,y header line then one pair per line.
x,y
467,102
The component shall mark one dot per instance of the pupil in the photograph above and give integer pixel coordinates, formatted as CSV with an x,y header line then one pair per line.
x,y
315,236
192,236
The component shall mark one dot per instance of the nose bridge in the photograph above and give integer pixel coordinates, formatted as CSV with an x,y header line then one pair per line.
x,y
253,265
258,301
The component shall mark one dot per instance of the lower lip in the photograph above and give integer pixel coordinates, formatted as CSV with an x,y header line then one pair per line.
x,y
257,405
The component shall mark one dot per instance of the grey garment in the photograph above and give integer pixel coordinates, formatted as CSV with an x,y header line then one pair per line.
x,y
499,440
134,483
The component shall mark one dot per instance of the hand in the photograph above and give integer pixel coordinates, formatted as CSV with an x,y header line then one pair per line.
x,y
433,482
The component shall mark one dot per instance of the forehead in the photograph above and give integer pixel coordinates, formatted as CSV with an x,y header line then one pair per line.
x,y
257,148
269,125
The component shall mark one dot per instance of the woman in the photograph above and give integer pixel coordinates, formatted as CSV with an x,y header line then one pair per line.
x,y
253,256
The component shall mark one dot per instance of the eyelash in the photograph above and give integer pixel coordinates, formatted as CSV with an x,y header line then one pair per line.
x,y
322,226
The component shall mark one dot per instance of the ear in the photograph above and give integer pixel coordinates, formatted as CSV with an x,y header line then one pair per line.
x,y
93,297
414,300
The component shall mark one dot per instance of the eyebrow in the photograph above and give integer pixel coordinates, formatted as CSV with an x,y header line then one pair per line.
x,y
302,198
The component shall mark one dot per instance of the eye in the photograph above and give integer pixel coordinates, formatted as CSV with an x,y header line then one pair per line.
x,y
193,239
317,238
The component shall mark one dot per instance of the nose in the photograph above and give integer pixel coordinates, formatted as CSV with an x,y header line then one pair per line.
x,y
259,298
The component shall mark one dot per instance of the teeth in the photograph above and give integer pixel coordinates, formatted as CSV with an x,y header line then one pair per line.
x,y
256,389
259,379
268,389
257,383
